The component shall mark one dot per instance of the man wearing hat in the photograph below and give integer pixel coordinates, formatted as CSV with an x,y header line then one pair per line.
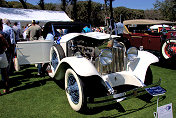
x,y
34,32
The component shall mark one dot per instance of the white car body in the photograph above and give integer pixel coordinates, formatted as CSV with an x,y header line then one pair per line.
x,y
95,60
133,75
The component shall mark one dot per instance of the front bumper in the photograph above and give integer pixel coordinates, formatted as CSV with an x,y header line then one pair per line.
x,y
111,99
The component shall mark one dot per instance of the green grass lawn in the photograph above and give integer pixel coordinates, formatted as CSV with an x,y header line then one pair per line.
x,y
41,97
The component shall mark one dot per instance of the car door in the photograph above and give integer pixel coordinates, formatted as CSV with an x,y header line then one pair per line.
x,y
136,40
154,43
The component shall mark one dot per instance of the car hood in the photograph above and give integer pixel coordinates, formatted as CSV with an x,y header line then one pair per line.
x,y
93,35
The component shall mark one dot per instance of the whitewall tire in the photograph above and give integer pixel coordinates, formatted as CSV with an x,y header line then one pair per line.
x,y
74,90
169,44
56,55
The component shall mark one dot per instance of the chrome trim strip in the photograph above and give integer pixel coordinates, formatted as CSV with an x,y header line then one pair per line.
x,y
110,99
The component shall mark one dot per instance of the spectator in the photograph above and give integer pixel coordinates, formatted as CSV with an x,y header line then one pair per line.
x,y
3,60
25,30
17,33
39,27
43,68
120,28
34,32
65,31
50,36
86,29
9,36
37,24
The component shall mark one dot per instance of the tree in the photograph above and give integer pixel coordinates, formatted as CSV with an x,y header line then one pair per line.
x,y
74,10
65,3
89,11
96,13
96,16
127,14
54,7
3,3
42,4
152,14
111,9
16,4
23,2
121,11
63,7
166,9
105,11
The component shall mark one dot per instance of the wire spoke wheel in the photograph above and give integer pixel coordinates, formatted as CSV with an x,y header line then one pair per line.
x,y
54,60
56,55
168,49
74,90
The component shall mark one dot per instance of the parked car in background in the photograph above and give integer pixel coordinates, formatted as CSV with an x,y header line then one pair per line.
x,y
159,39
94,67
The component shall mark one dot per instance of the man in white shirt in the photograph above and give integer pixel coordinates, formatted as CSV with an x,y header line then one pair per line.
x,y
9,36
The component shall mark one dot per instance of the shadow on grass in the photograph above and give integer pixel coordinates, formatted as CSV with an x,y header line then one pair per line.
x,y
120,109
124,112
25,79
60,83
31,85
96,110
168,64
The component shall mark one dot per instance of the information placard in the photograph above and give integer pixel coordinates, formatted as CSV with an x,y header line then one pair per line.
x,y
165,111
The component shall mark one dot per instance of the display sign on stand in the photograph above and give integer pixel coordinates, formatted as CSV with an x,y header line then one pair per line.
x,y
162,111
165,111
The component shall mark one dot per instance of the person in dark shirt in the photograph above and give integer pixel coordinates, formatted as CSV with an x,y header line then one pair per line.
x,y
17,32
3,60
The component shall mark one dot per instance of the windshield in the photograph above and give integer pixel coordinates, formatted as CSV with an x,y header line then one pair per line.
x,y
61,28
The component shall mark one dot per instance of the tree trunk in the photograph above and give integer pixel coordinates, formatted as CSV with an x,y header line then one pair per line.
x,y
42,4
111,9
63,5
74,10
112,18
23,4
105,11
89,11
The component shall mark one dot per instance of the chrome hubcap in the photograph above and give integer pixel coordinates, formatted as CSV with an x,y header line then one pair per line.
x,y
73,89
54,60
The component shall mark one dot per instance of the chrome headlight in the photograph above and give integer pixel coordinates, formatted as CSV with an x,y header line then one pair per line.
x,y
132,53
78,55
105,57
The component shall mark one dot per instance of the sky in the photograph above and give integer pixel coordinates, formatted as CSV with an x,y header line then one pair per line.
x,y
132,4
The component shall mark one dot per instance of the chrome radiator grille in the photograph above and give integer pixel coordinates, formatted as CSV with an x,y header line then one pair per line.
x,y
118,63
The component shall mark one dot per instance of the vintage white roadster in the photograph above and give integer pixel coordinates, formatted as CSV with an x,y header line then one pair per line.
x,y
96,68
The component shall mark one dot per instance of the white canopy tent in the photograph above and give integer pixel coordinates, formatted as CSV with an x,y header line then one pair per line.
x,y
15,14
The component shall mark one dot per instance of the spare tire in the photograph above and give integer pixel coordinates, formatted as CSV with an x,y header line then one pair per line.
x,y
168,49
